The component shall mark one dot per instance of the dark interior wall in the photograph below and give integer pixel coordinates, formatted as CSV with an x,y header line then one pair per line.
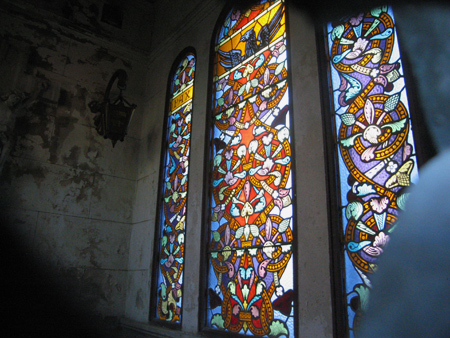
x,y
66,195
129,23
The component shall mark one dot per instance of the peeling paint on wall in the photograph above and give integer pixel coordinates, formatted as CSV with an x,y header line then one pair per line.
x,y
12,171
63,126
100,55
36,60
55,57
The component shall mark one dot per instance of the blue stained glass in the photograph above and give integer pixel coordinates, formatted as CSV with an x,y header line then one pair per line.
x,y
251,269
374,144
172,215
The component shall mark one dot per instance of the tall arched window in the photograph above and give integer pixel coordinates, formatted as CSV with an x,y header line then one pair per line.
x,y
250,227
374,147
172,207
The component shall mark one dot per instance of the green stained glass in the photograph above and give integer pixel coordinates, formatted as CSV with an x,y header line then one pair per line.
x,y
172,216
374,144
251,273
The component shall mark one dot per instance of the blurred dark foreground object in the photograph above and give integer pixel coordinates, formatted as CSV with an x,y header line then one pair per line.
x,y
33,302
411,290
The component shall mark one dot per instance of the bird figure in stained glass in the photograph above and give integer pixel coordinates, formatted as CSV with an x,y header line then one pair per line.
x,y
234,57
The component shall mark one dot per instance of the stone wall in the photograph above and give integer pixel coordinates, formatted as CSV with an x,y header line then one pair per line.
x,y
82,212
67,196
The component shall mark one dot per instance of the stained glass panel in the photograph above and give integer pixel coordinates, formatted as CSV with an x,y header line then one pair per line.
x,y
250,249
374,144
172,218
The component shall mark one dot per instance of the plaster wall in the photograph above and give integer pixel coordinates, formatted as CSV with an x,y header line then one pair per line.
x,y
67,196
84,212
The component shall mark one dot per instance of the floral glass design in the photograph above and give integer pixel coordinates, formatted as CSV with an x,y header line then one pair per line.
x,y
172,218
251,275
374,144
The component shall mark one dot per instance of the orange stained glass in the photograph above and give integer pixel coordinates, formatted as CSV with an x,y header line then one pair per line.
x,y
374,146
251,225
171,226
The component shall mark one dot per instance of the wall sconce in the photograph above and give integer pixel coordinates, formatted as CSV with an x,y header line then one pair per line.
x,y
112,119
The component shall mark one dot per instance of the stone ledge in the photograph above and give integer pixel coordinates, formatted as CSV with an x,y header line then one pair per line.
x,y
150,330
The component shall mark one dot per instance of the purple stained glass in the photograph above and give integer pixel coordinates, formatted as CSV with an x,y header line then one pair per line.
x,y
374,144
172,216
251,273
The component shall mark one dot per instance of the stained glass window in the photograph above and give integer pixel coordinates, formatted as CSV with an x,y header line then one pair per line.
x,y
250,249
169,258
376,157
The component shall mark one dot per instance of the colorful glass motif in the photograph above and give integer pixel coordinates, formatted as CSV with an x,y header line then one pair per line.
x,y
175,182
374,142
251,275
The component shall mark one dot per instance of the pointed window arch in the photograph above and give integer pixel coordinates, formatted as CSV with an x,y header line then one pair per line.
x,y
172,205
251,222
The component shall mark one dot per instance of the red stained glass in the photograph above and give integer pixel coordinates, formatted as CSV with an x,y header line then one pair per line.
x,y
172,218
374,144
251,274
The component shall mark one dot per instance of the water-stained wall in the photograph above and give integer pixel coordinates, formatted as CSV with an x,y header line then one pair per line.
x,y
82,212
66,195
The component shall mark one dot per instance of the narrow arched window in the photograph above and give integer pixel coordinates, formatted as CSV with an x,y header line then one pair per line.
x,y
251,218
373,149
172,207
